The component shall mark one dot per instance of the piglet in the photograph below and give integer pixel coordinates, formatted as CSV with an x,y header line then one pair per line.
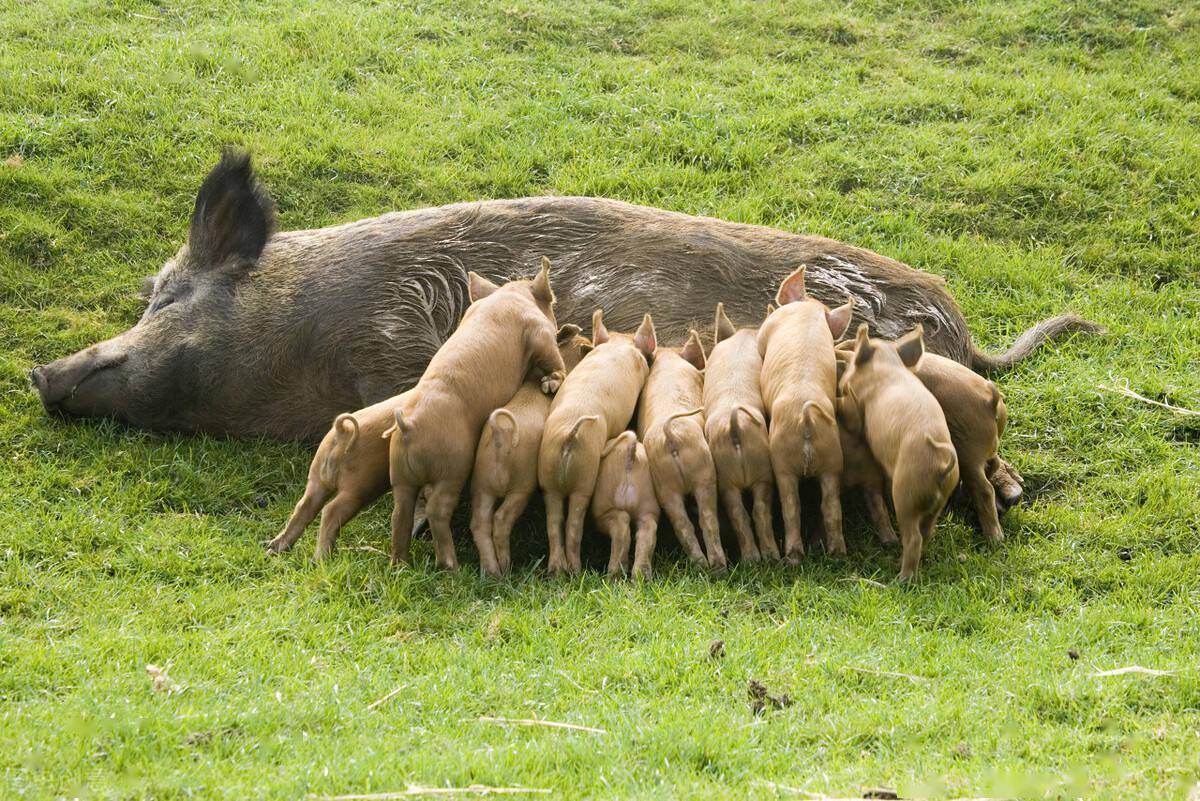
x,y
624,497
593,406
905,428
976,415
736,429
507,333
506,459
671,426
351,467
799,390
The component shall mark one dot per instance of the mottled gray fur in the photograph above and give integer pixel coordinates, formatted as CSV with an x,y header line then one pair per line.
x,y
331,320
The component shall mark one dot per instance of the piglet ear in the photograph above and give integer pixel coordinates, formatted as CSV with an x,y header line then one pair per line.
x,y
233,217
479,287
911,346
722,328
146,290
645,339
541,284
792,288
693,351
839,319
770,309
862,345
567,332
599,332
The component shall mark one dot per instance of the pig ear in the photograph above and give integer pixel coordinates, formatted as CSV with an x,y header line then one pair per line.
x,y
839,319
645,339
862,345
911,346
770,309
841,369
722,328
233,217
541,284
792,288
693,350
599,332
146,290
479,287
567,332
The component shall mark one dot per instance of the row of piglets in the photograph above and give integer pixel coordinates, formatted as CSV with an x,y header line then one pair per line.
x,y
766,409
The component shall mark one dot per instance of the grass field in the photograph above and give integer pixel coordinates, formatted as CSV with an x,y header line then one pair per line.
x,y
1041,156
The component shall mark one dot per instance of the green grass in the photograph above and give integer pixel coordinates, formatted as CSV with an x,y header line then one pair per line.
x,y
1040,156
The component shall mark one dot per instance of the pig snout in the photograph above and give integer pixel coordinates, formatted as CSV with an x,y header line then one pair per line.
x,y
72,385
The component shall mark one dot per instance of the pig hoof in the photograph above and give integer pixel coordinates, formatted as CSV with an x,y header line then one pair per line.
x,y
749,556
794,557
837,550
551,383
642,572
277,546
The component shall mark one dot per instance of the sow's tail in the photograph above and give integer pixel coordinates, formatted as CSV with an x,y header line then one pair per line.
x,y
1031,340
345,434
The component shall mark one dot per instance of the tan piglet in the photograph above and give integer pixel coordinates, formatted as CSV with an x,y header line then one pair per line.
x,y
736,429
624,499
884,402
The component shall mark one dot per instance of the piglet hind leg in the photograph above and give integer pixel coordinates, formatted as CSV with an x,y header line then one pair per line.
x,y
439,508
747,548
339,511
677,513
789,499
710,528
764,525
404,503
617,528
577,506
502,525
984,497
831,514
880,518
647,538
482,505
556,562
315,495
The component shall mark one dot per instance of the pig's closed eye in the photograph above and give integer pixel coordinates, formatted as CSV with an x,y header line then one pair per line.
x,y
161,304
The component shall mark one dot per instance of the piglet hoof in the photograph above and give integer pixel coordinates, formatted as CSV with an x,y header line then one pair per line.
x,y
794,556
449,565
642,572
277,546
836,549
888,538
996,540
718,565
552,382
750,555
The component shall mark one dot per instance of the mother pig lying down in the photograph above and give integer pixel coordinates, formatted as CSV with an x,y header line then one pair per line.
x,y
250,331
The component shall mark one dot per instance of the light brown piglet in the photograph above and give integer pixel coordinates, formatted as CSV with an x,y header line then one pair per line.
x,y
976,415
506,459
507,333
905,428
593,406
735,425
624,498
351,467
671,426
799,390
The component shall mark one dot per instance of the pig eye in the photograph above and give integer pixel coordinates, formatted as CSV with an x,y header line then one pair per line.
x,y
161,304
